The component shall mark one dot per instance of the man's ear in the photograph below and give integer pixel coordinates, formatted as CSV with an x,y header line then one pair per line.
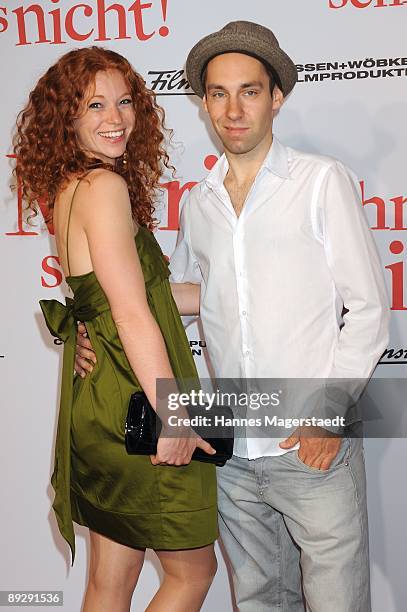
x,y
278,98
204,103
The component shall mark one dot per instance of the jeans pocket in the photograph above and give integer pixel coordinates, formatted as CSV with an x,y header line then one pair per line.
x,y
341,459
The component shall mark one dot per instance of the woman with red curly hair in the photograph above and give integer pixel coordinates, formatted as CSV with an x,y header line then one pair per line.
x,y
90,141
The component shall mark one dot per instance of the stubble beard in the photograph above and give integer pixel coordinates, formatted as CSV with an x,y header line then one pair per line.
x,y
238,148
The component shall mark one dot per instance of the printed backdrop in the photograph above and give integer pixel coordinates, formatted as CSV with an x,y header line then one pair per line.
x,y
350,103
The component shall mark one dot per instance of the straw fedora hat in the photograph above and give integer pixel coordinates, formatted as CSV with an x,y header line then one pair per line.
x,y
241,37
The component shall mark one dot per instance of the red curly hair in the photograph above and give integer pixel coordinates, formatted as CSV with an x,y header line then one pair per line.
x,y
46,145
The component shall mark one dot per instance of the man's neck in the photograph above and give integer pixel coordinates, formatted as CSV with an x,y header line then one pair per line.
x,y
244,167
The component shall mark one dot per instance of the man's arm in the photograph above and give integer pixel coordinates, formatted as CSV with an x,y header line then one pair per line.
x,y
355,266
354,263
356,270
184,265
353,260
185,272
186,297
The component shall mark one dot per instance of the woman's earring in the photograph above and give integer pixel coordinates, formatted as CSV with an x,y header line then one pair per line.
x,y
124,160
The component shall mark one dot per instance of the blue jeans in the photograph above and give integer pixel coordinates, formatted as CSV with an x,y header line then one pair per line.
x,y
280,519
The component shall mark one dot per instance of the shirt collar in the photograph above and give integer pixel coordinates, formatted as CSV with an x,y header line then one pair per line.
x,y
276,161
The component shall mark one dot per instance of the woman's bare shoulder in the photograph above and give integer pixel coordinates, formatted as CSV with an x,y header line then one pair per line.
x,y
102,178
102,189
96,181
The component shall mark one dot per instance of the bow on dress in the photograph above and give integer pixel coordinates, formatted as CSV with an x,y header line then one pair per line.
x,y
61,322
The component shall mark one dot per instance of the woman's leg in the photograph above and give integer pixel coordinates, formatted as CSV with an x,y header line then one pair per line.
x,y
188,574
113,573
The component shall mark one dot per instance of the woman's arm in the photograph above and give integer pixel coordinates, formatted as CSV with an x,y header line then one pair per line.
x,y
107,220
187,297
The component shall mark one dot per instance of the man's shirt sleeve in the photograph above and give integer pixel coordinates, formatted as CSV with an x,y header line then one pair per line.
x,y
357,273
356,270
184,266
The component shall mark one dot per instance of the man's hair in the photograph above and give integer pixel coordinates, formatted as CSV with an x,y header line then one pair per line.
x,y
274,80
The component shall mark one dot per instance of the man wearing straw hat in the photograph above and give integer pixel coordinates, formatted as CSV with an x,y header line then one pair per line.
x,y
277,241
273,244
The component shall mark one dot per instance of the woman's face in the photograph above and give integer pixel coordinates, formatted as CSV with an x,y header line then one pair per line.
x,y
107,118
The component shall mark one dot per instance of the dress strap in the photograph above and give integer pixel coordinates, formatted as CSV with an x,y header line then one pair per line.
x,y
69,221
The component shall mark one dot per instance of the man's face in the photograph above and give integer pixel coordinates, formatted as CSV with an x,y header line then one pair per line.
x,y
239,101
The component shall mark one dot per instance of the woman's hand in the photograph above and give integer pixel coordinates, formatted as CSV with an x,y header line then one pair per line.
x,y
178,451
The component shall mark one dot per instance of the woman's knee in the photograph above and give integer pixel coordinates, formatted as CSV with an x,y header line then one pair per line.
x,y
212,567
112,566
204,574
102,578
191,567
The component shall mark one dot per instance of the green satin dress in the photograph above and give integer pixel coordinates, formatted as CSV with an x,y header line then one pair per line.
x,y
96,483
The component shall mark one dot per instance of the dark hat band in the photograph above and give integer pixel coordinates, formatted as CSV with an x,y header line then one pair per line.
x,y
266,64
249,39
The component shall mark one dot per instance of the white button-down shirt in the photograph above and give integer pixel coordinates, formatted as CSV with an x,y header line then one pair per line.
x,y
275,279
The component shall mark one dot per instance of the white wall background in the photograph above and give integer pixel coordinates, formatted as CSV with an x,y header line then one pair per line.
x,y
361,121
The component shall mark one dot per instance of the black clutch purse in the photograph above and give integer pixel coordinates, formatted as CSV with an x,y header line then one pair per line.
x,y
143,428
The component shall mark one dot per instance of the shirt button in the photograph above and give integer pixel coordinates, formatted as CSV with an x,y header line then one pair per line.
x,y
247,353
244,313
